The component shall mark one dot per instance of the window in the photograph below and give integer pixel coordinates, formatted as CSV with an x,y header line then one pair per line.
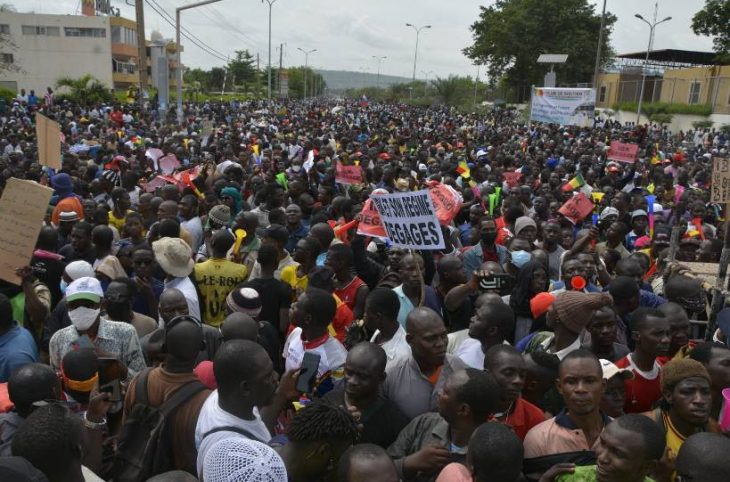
x,y
121,67
41,30
124,35
6,58
84,32
4,29
694,92
116,35
602,94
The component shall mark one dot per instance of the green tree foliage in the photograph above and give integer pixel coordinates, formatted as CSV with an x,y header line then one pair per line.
x,y
511,34
315,82
242,71
85,90
714,21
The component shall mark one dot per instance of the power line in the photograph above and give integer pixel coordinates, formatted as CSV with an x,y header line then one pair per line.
x,y
185,33
220,19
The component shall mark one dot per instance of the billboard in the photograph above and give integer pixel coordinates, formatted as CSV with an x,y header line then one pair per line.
x,y
564,106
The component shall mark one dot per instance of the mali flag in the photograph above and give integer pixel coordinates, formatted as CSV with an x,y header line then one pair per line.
x,y
575,183
463,170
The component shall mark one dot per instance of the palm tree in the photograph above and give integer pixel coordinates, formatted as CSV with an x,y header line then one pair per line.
x,y
86,89
447,89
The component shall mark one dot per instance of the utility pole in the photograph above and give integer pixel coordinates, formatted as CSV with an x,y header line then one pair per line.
x,y
271,4
141,50
598,49
379,59
281,66
415,54
476,84
225,75
306,65
652,25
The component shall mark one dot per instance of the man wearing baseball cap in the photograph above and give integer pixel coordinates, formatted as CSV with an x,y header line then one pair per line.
x,y
612,402
89,329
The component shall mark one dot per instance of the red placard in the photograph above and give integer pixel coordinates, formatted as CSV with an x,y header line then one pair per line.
x,y
348,174
512,178
446,202
370,224
622,152
576,208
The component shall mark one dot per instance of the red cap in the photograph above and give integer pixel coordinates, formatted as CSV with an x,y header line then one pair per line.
x,y
540,304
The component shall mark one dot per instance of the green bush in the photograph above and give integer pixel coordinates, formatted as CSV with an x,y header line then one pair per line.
x,y
7,94
661,118
651,108
703,124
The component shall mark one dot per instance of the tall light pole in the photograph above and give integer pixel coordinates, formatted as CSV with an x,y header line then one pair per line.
x,y
652,26
306,63
379,59
178,90
425,83
598,49
271,4
415,54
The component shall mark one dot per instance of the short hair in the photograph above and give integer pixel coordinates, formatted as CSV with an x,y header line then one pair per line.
x,y
6,311
80,365
234,362
344,253
189,198
480,392
168,228
322,277
548,363
268,256
643,426
503,317
383,301
495,453
50,439
320,304
709,451
117,193
373,352
623,288
134,215
130,284
582,354
322,420
640,316
84,226
33,382
277,232
677,286
703,351
625,264
366,453
495,350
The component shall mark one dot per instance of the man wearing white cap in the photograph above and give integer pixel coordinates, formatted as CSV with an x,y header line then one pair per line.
x,y
176,259
612,401
90,330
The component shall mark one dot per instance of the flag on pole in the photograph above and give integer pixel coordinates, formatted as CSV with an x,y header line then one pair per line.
x,y
575,183
463,170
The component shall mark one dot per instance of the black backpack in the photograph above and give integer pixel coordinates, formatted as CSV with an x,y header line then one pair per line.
x,y
144,449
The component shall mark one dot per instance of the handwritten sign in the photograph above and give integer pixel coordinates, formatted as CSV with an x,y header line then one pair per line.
x,y
446,202
512,178
410,220
720,180
22,209
48,133
348,174
169,163
622,152
576,208
370,224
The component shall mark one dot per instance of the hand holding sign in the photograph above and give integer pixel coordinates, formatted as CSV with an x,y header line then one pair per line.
x,y
576,208
410,220
48,133
348,174
622,152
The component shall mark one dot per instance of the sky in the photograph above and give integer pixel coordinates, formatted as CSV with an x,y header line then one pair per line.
x,y
349,33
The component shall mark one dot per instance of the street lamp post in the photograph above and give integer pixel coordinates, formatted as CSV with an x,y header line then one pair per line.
x,y
271,4
652,26
379,59
415,54
306,63
178,90
598,49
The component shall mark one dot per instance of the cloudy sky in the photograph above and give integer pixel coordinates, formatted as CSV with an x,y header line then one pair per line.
x,y
348,33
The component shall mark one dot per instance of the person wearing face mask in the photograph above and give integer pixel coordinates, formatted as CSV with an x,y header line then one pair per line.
x,y
519,255
91,330
485,250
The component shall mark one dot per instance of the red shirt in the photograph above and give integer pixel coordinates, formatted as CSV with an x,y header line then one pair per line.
x,y
349,292
641,393
524,416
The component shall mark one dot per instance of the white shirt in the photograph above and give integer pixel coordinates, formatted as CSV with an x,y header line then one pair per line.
x,y
332,354
212,416
470,352
546,344
188,289
195,227
396,347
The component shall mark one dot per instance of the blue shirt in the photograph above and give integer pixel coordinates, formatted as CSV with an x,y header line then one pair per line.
x,y
17,348
294,237
430,300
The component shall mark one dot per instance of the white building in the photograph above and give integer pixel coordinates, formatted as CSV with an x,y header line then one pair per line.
x,y
47,47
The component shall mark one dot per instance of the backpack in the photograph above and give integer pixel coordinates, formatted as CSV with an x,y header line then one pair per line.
x,y
143,444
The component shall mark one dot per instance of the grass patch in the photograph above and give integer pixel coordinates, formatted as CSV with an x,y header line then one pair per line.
x,y
653,108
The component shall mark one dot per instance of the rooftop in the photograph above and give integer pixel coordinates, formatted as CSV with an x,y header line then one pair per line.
x,y
668,58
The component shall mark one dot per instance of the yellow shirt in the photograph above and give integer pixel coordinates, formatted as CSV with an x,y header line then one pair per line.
x,y
215,279
117,222
298,285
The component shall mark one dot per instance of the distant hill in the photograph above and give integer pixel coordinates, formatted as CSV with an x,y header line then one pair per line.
x,y
342,79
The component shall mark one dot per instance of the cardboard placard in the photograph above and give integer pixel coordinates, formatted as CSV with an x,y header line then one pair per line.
x,y
168,163
512,178
720,180
576,208
48,134
410,220
370,224
622,152
446,202
348,174
22,209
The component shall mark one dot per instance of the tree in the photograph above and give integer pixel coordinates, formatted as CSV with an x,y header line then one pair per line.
x,y
509,36
85,90
243,70
714,20
447,89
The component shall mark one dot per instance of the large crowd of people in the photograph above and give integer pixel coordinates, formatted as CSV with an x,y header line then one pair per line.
x,y
202,303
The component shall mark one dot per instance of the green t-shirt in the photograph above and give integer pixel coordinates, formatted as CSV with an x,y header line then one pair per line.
x,y
585,473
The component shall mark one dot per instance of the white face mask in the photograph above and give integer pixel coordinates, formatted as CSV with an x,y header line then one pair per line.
x,y
82,318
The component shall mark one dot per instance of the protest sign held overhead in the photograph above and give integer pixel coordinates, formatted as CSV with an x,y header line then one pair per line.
x,y
576,208
370,224
48,133
720,180
410,220
622,152
22,209
512,178
348,174
564,106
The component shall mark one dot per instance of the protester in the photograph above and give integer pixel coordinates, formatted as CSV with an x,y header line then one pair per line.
x,y
716,359
492,325
703,456
366,462
174,256
381,322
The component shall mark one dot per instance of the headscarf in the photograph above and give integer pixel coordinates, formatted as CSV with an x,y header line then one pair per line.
x,y
233,193
519,301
